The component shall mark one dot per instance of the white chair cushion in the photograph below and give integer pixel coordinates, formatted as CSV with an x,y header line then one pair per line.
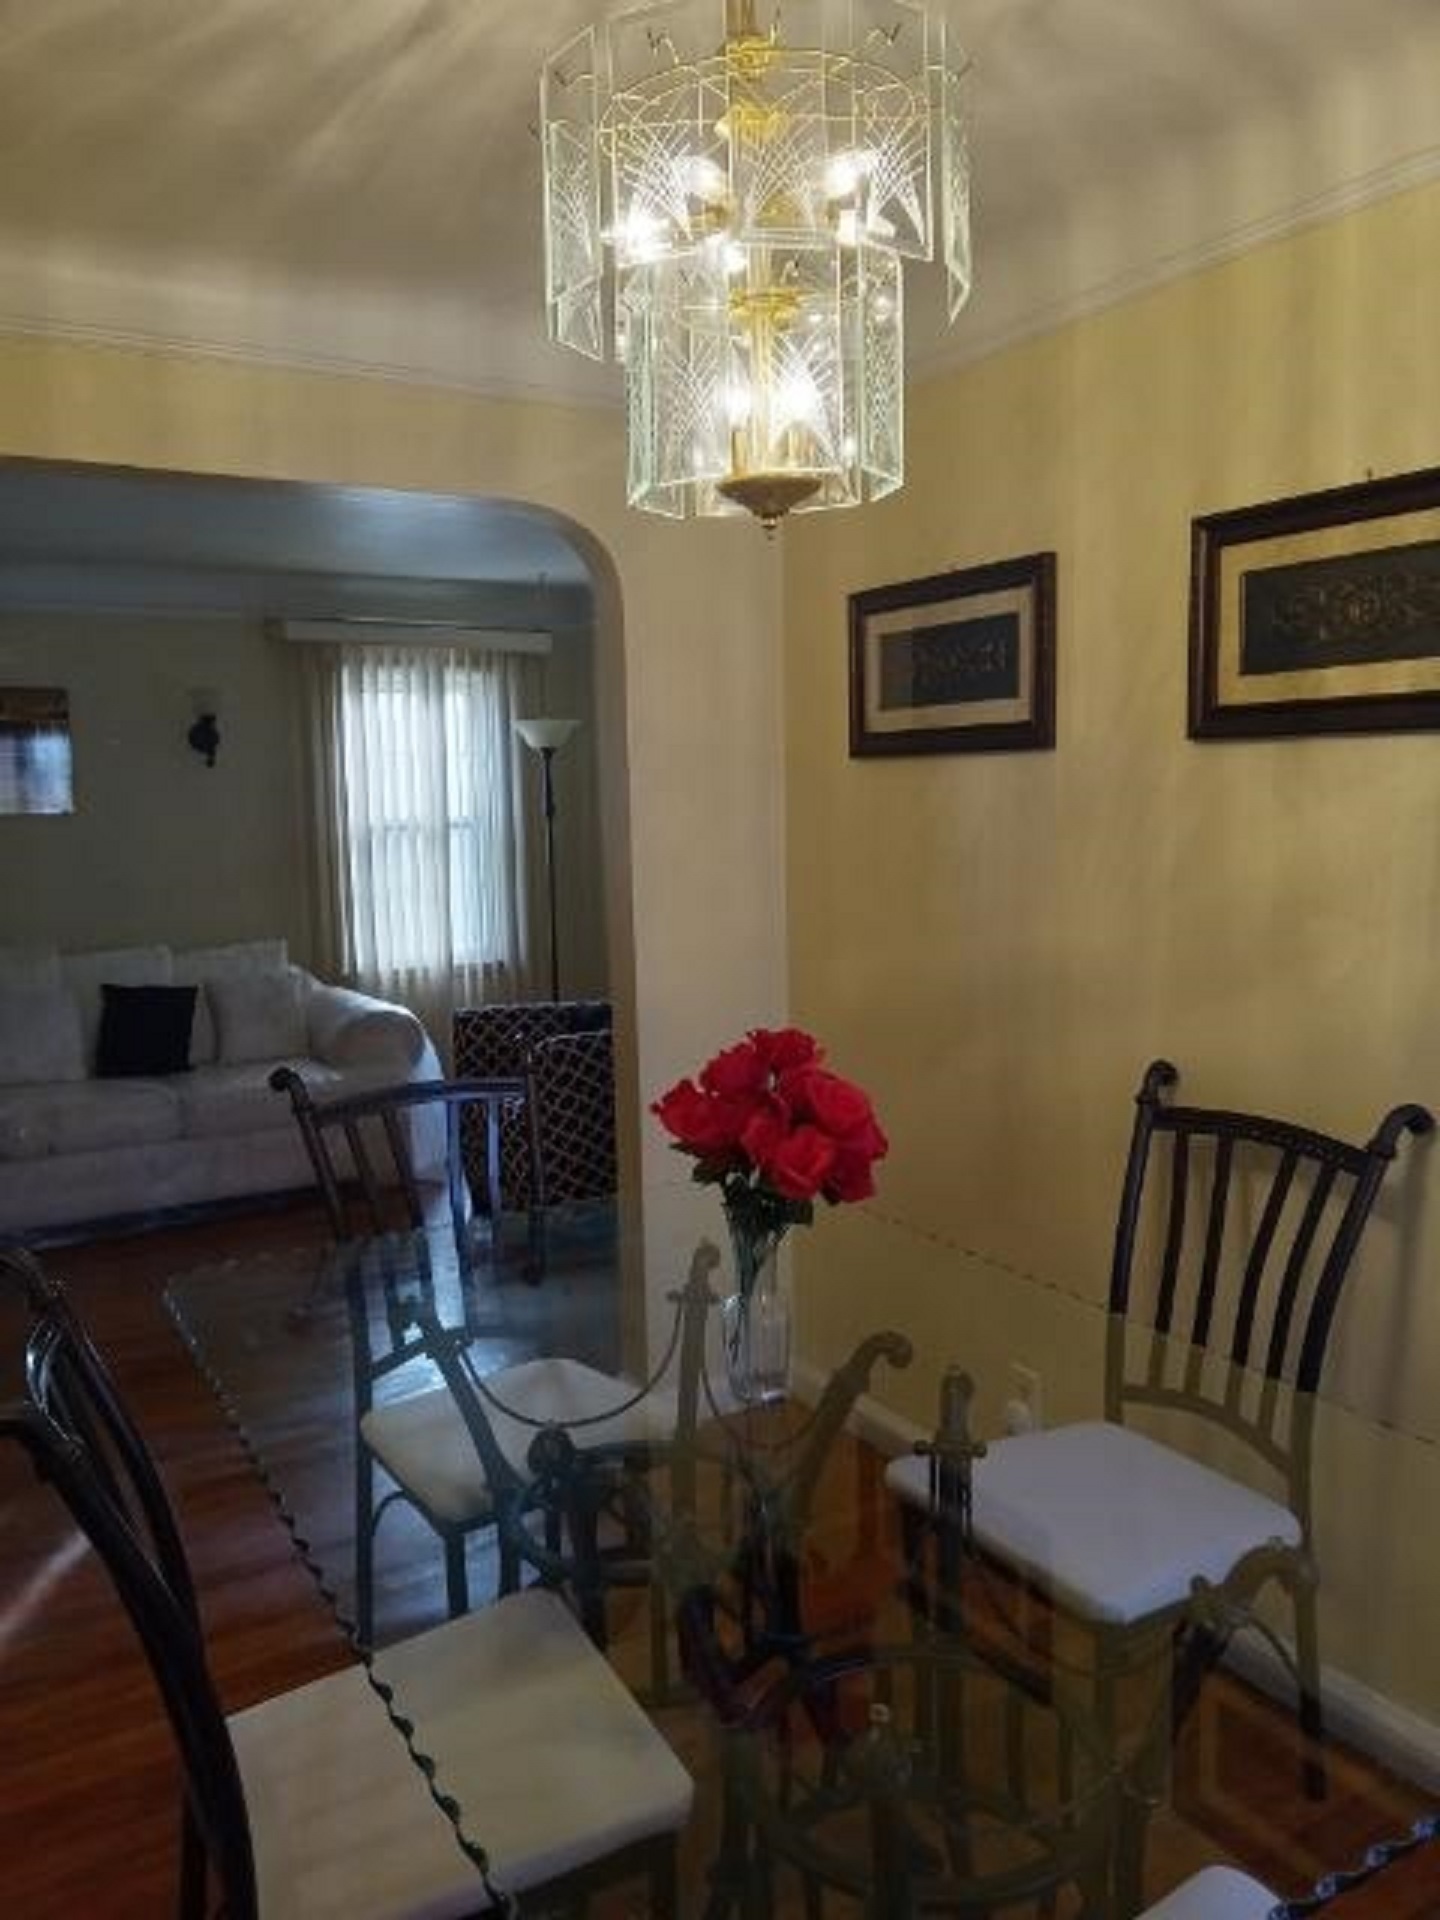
x,y
531,1732
85,1116
1215,1893
425,1446
1113,1524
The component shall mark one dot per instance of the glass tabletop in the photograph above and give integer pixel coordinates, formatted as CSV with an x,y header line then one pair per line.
x,y
771,1630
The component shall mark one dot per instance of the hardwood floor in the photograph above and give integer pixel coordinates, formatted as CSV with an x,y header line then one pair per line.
x,y
88,1791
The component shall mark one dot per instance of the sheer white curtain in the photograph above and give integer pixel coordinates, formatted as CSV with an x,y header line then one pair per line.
x,y
420,838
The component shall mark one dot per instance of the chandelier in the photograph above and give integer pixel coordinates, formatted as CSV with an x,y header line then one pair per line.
x,y
758,173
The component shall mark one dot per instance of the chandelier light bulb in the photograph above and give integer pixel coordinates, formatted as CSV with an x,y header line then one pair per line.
x,y
731,195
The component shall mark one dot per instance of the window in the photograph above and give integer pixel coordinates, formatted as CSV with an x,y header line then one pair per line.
x,y
427,864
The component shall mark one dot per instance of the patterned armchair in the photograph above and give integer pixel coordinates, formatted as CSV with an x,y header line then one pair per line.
x,y
561,1146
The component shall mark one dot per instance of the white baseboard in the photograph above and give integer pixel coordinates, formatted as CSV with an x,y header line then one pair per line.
x,y
1377,1726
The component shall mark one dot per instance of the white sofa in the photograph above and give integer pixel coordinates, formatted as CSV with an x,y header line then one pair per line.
x,y
76,1148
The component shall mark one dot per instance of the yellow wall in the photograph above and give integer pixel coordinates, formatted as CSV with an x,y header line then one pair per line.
x,y
686,622
996,944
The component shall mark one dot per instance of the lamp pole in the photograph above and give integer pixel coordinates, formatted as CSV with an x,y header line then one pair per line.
x,y
547,764
546,737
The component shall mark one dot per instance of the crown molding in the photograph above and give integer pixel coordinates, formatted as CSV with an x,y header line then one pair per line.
x,y
992,336
278,357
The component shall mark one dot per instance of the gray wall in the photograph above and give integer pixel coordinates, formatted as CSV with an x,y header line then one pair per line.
x,y
162,848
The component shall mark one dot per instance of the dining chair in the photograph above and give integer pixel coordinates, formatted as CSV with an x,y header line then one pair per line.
x,y
560,1148
570,1106
312,1804
366,1150
361,1149
1235,1236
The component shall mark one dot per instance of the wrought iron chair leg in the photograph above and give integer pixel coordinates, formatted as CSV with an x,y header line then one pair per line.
x,y
729,1870
659,1642
1128,1862
914,1534
664,1877
457,1585
509,1576
1127,1892
364,1546
535,1252
1311,1712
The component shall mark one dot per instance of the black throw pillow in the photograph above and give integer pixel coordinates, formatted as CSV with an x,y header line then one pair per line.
x,y
144,1030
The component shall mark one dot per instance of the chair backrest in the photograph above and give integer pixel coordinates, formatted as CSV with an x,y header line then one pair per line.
x,y
499,1039
1235,1235
359,1146
75,1427
570,1079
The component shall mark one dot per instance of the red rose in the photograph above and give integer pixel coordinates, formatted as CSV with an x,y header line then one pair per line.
x,y
800,1163
736,1071
832,1103
764,1130
782,1048
702,1123
868,1141
849,1177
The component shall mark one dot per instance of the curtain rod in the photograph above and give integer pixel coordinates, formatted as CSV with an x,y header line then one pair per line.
x,y
415,633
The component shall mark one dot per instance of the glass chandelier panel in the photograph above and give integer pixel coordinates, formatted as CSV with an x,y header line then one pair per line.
x,y
756,176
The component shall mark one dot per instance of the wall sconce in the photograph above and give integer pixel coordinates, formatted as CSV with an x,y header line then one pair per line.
x,y
204,734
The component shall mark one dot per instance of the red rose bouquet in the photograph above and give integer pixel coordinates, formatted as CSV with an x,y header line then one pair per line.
x,y
772,1127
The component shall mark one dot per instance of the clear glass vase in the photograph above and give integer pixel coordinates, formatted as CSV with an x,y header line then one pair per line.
x,y
755,1321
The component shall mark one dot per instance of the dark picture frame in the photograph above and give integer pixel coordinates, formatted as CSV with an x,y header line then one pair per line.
x,y
1319,613
960,662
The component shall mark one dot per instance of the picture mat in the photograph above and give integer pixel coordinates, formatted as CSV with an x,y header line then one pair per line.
x,y
1345,540
962,611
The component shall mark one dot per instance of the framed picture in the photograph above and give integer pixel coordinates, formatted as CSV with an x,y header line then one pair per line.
x,y
35,750
1319,614
956,663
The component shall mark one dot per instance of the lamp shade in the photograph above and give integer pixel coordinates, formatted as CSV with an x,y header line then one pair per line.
x,y
545,735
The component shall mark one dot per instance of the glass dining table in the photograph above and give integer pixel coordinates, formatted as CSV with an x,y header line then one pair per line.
x,y
878,1720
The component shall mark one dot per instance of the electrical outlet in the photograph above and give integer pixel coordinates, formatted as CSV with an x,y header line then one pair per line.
x,y
1026,1409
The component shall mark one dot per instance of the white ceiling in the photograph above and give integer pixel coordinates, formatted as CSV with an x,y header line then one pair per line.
x,y
356,182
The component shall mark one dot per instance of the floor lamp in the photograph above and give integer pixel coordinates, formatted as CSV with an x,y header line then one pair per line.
x,y
546,737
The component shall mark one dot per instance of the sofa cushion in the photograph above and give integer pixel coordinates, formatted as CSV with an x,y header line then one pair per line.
x,y
40,1036
78,1118
29,967
259,1016
201,964
239,1099
86,973
144,1030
